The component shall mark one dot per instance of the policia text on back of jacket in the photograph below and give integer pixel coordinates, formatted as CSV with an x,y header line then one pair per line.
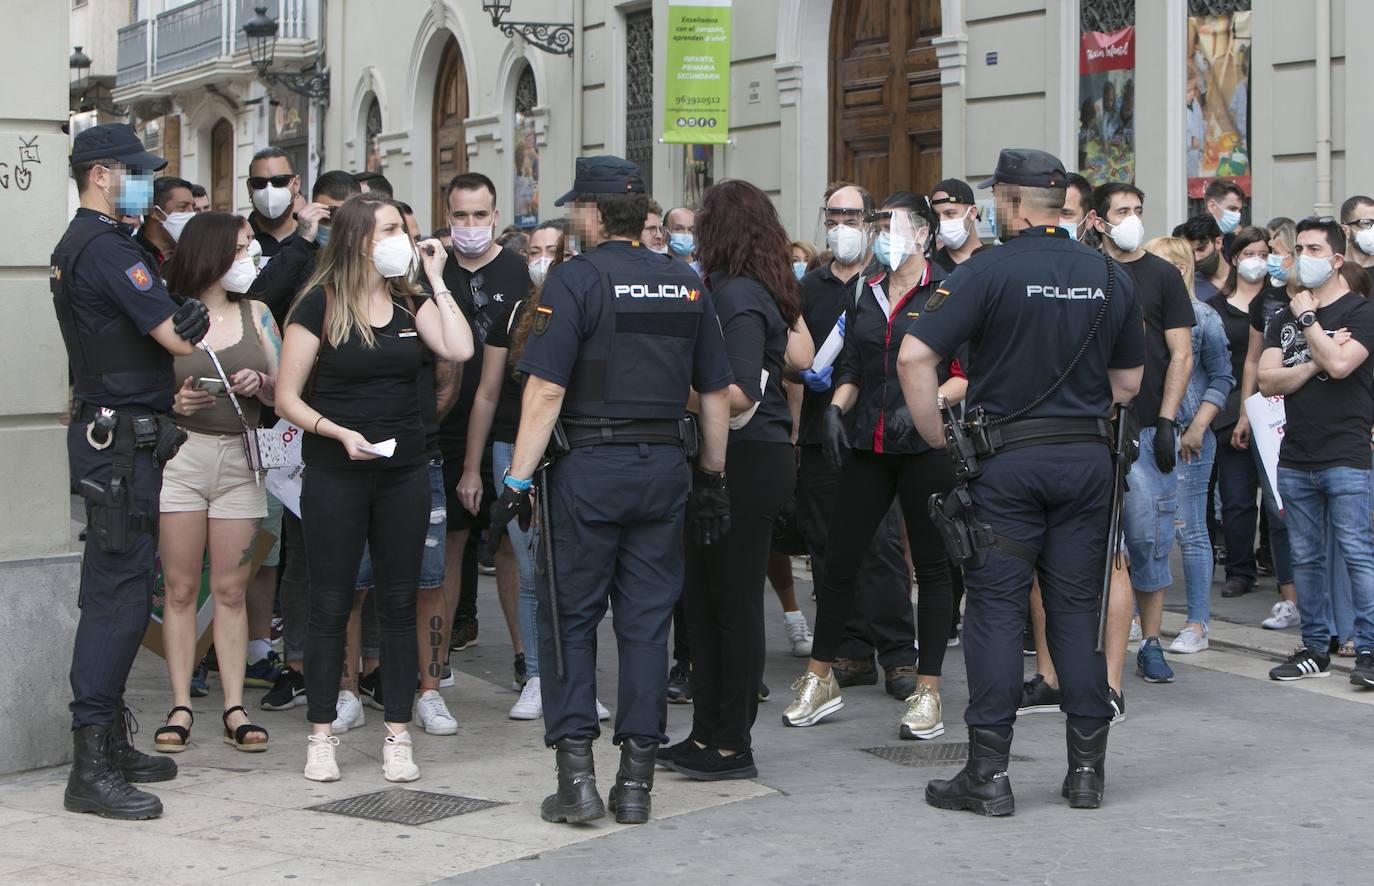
x,y
620,338
1055,338
121,329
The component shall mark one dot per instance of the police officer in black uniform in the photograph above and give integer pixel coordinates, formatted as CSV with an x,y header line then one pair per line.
x,y
121,329
1055,339
619,340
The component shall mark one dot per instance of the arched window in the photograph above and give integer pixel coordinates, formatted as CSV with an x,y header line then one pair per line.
x,y
371,130
526,153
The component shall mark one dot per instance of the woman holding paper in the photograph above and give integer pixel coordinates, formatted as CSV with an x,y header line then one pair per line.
x,y
210,496
350,375
889,461
743,250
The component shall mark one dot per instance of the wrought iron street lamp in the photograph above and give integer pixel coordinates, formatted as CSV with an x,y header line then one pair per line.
x,y
553,37
91,93
261,34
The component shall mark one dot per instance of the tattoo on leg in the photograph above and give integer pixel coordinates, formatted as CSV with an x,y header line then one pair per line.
x,y
247,556
436,642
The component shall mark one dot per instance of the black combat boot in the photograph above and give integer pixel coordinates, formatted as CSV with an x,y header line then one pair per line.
x,y
982,786
1087,768
96,786
576,799
136,766
629,798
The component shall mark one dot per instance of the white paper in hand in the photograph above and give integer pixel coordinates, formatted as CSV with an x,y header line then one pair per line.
x,y
1267,421
829,349
385,449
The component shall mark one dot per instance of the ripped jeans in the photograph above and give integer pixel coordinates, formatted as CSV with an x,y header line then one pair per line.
x,y
1152,518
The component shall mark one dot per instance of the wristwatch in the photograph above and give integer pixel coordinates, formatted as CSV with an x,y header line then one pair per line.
x,y
1307,318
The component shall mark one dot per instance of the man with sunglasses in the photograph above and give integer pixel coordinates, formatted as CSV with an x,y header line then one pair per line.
x,y
1357,221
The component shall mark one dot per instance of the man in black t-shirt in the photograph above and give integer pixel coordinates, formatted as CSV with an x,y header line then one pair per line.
x,y
952,200
881,618
1324,459
485,280
1152,487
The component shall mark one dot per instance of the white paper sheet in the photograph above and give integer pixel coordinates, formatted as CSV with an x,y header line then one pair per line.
x,y
1267,420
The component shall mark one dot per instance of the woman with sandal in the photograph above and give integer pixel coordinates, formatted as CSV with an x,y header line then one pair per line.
x,y
210,496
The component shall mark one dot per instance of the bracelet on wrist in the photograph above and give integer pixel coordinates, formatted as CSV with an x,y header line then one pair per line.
x,y
518,485
316,429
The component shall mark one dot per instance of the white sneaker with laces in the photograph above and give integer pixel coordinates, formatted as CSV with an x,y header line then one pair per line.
x,y
320,764
433,714
601,712
798,633
398,762
1284,615
348,713
1135,633
530,705
1189,641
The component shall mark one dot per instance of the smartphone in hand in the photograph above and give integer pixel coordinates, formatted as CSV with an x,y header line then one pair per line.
x,y
209,386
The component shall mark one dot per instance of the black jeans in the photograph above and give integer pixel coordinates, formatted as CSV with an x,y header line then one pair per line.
x,y
295,589
868,483
723,596
1238,479
880,618
341,508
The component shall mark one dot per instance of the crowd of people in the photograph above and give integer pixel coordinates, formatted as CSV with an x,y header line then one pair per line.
x,y
398,354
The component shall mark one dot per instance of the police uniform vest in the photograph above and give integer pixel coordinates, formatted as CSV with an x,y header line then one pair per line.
x,y
637,363
112,363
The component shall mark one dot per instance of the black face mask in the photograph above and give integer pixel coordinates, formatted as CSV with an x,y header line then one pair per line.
x,y
1207,267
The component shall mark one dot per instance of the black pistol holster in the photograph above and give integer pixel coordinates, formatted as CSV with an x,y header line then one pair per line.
x,y
112,515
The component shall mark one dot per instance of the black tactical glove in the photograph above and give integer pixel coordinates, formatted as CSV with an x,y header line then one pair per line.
x,y
192,320
514,504
708,508
834,440
1165,456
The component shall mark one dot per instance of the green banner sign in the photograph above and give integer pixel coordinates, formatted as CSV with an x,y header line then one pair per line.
x,y
696,92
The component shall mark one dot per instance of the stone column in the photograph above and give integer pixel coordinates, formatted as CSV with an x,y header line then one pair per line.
x,y
38,569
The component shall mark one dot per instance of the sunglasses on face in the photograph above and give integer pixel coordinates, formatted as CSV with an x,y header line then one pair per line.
x,y
258,182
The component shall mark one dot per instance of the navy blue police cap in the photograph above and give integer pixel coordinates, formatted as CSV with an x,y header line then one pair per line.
x,y
114,141
603,174
1029,167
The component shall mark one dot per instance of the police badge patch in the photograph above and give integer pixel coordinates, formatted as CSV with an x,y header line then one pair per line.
x,y
140,276
541,319
937,300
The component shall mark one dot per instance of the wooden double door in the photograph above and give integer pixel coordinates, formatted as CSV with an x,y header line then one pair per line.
x,y
449,145
885,94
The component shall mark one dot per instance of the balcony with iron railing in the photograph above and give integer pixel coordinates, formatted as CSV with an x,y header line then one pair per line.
x,y
204,39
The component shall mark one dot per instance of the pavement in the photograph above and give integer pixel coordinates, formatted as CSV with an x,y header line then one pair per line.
x,y
1223,776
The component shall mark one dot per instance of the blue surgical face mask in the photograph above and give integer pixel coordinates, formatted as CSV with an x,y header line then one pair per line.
x,y
1229,221
799,268
322,236
1276,269
1072,229
682,245
1313,271
135,194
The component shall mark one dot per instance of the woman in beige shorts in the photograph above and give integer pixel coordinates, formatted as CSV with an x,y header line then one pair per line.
x,y
209,493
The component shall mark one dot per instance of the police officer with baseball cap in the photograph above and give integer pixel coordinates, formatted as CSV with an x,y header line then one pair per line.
x,y
121,329
1056,339
620,339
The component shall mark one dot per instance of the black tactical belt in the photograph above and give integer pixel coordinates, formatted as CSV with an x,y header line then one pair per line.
x,y
83,411
577,432
1041,432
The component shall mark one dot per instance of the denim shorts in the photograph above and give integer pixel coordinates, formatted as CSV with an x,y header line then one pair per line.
x,y
1151,517
432,564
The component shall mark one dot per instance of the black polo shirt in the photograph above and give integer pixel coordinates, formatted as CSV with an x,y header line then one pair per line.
x,y
823,300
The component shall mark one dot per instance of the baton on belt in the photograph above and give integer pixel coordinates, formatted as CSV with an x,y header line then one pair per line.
x,y
547,563
1120,465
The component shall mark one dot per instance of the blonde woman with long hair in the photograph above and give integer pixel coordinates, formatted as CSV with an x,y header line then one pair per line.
x,y
350,369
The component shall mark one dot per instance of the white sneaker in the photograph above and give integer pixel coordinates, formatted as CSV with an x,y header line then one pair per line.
x,y
320,764
798,633
446,681
398,763
530,706
433,714
1284,615
601,712
1135,633
348,713
1189,641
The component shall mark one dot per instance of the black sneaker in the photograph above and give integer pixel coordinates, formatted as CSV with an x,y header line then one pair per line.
x,y
1118,703
464,635
520,675
1301,664
679,685
709,765
1363,672
1236,587
370,689
1038,697
288,692
667,755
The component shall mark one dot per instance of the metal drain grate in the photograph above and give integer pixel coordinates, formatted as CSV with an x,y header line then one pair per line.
x,y
401,806
943,754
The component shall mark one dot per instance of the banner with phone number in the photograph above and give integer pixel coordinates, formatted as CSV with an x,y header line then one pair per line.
x,y
696,85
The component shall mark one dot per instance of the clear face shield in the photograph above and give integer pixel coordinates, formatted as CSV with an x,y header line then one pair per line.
x,y
897,235
844,232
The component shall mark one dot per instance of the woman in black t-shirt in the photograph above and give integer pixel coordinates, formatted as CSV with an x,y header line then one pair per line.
x,y
888,460
366,478
744,252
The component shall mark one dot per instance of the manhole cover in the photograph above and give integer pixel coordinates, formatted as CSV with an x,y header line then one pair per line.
x,y
401,806
942,754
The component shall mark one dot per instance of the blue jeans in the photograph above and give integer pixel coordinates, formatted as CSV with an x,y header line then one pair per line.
x,y
522,543
1193,540
1278,527
1151,512
1335,501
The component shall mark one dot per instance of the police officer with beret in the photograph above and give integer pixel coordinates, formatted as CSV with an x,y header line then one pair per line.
x,y
1055,339
121,329
620,339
